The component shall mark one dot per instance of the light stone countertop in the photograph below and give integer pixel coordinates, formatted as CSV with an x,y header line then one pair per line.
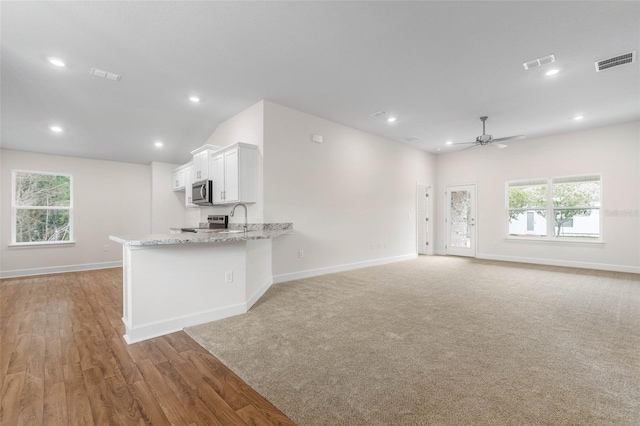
x,y
256,232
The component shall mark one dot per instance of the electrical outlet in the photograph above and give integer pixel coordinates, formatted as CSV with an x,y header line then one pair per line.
x,y
300,254
228,277
106,248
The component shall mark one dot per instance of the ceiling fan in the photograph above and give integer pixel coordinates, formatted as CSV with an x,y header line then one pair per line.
x,y
485,139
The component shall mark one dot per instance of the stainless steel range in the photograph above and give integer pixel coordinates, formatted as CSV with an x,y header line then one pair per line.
x,y
215,222
218,224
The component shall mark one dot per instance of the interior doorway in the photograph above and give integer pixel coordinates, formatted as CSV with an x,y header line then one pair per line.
x,y
424,215
460,220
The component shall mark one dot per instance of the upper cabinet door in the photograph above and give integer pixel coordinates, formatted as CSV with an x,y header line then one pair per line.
x,y
178,181
188,180
231,181
216,169
201,166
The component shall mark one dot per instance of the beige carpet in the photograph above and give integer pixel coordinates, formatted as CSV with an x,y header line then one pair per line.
x,y
443,341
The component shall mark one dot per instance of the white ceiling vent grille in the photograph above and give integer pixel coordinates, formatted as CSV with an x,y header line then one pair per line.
x,y
105,74
409,139
539,62
625,58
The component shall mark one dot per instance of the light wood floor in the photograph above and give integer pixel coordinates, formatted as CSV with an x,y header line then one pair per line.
x,y
63,361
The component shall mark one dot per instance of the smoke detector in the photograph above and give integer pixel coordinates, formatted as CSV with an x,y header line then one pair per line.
x,y
539,62
625,58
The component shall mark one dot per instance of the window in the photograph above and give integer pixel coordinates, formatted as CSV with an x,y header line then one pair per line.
x,y
576,207
527,208
42,205
572,203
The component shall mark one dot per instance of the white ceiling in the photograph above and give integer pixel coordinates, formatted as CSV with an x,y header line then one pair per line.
x,y
437,66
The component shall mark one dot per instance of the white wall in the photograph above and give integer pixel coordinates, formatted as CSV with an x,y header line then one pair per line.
x,y
353,191
110,198
246,126
167,206
612,151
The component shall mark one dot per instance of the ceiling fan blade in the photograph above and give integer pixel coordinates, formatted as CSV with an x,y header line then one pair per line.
x,y
498,145
509,138
462,143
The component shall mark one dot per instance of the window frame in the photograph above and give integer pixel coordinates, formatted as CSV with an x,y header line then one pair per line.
x,y
550,209
15,208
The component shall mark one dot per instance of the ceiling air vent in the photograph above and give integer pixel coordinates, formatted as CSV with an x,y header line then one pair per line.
x,y
539,62
377,114
409,139
625,58
105,74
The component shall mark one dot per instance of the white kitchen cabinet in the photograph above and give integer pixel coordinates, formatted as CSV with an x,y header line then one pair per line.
x,y
178,182
201,165
188,179
217,176
233,171
201,159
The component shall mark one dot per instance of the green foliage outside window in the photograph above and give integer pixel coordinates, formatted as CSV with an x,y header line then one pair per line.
x,y
570,197
574,199
42,207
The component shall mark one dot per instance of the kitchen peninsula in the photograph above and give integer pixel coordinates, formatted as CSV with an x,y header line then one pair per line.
x,y
172,281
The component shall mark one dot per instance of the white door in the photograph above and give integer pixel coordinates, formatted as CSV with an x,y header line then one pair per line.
x,y
460,220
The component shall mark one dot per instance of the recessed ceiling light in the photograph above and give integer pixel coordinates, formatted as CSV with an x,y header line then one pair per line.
x,y
194,99
578,117
552,72
158,144
57,62
391,119
56,129
449,143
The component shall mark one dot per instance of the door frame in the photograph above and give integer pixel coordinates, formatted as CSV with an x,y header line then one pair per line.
x,y
422,225
473,250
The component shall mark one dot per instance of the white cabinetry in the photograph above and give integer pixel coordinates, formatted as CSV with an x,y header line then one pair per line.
x,y
201,158
178,178
201,165
188,180
234,174
217,176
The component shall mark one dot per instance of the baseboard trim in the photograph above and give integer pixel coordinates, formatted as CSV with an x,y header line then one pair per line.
x,y
566,263
340,268
258,294
59,269
161,328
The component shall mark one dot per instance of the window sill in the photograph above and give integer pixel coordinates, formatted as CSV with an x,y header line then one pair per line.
x,y
44,244
554,240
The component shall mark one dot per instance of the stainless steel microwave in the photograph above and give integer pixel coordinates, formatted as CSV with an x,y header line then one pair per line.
x,y
202,193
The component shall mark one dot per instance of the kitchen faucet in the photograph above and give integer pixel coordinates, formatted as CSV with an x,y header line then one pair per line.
x,y
246,225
